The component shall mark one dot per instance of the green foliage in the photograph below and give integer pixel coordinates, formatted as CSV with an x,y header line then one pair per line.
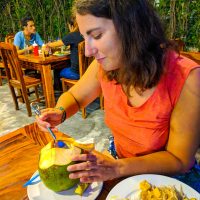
x,y
181,18
50,16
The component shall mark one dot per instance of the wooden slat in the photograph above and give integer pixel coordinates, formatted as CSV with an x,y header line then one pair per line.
x,y
2,70
19,153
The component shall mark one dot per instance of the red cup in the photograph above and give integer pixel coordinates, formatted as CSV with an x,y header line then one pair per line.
x,y
35,50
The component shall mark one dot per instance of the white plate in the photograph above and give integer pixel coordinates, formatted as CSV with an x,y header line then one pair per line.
x,y
62,54
129,188
39,191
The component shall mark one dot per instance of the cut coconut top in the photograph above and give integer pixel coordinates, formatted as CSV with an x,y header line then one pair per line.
x,y
57,156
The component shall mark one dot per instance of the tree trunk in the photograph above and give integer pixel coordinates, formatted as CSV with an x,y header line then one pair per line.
x,y
172,24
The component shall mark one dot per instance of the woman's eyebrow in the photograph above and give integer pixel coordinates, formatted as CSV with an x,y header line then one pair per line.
x,y
91,30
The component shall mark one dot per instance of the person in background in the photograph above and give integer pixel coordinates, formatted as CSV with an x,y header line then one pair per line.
x,y
151,94
24,40
72,40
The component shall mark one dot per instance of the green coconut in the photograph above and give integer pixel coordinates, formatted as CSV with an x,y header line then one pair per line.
x,y
53,165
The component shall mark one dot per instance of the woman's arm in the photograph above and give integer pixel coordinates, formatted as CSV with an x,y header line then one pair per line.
x,y
83,92
80,95
58,43
184,140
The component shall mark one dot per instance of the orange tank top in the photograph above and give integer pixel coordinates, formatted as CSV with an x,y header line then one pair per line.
x,y
142,130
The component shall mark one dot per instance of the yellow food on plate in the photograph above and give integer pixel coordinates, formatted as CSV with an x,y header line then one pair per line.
x,y
80,189
145,186
150,192
59,53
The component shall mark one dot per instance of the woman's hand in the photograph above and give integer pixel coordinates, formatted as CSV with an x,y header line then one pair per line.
x,y
50,117
94,167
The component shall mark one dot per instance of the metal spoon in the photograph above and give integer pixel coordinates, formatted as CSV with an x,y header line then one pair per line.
x,y
35,107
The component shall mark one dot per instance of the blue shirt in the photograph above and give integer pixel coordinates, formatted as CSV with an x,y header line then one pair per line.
x,y
21,42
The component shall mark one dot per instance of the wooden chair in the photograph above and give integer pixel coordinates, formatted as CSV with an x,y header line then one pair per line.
x,y
179,44
15,76
84,62
8,39
2,72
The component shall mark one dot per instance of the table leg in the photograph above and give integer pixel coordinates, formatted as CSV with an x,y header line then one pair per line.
x,y
47,80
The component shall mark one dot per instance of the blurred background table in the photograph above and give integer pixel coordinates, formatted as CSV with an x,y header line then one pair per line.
x,y
19,155
192,55
44,66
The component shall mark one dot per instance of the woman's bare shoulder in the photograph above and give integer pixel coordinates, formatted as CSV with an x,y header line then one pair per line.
x,y
194,77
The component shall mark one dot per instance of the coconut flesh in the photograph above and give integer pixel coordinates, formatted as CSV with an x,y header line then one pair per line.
x,y
53,165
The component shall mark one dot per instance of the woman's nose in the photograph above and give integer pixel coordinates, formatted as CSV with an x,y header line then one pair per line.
x,y
90,50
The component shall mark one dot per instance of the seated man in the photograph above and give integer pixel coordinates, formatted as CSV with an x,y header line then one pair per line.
x,y
24,39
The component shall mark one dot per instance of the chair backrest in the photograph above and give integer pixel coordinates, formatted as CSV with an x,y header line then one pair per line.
x,y
9,55
179,44
10,38
84,61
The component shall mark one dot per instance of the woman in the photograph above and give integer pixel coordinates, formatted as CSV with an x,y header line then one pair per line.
x,y
72,40
151,93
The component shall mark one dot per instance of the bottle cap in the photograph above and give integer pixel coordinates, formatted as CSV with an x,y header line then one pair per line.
x,y
35,44
61,144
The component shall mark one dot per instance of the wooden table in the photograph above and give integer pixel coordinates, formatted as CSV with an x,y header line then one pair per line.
x,y
19,151
45,65
192,55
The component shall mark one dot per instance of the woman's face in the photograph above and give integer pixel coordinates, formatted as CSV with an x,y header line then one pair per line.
x,y
101,40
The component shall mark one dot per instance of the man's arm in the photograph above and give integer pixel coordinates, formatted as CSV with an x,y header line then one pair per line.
x,y
22,51
38,39
19,43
